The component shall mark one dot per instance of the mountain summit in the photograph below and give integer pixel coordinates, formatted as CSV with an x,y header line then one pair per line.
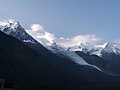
x,y
106,48
13,28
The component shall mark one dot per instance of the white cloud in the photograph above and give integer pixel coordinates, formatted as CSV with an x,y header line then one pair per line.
x,y
37,27
79,39
50,37
37,31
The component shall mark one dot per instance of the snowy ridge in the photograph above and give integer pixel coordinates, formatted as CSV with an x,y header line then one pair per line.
x,y
71,54
77,59
97,49
107,48
14,29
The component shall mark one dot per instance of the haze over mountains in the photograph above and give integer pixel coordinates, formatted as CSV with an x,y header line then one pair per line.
x,y
30,63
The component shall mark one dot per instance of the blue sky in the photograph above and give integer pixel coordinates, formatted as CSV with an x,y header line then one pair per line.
x,y
67,18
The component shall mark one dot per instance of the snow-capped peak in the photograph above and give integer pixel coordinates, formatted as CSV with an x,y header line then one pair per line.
x,y
105,45
105,48
10,23
13,28
13,24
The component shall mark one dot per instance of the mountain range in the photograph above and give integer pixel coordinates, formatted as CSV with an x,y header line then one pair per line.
x,y
29,64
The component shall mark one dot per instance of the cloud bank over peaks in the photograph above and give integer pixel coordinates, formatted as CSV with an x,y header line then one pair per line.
x,y
44,37
37,32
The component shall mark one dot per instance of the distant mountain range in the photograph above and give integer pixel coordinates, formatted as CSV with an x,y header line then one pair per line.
x,y
29,64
